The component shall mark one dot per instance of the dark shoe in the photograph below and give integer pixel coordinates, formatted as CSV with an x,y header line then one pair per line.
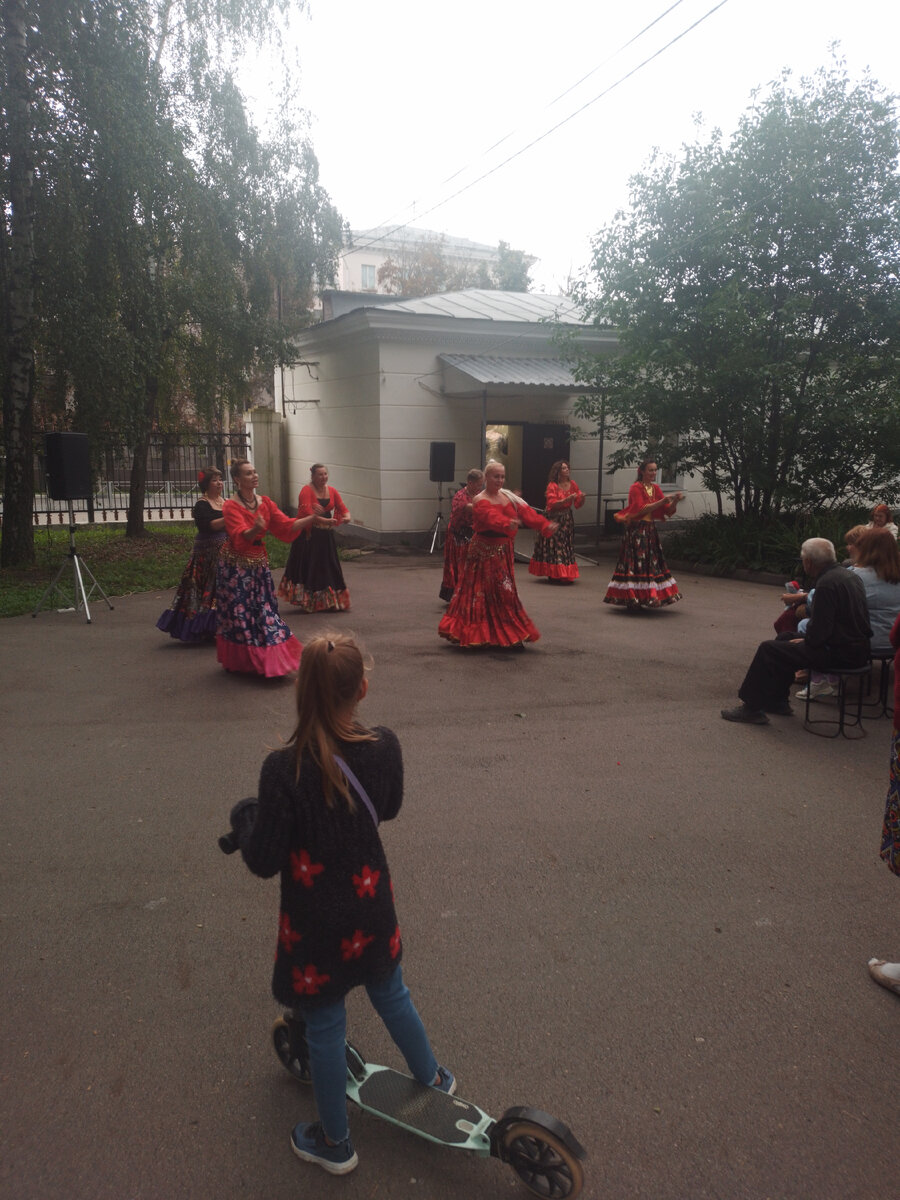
x,y
747,716
780,710
308,1142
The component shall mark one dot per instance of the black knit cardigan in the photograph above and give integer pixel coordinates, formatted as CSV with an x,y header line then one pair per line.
x,y
337,925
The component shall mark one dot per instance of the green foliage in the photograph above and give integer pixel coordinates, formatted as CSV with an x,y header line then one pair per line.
x,y
756,288
424,270
750,543
174,248
121,565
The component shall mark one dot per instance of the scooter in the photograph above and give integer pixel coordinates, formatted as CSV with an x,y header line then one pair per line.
x,y
542,1151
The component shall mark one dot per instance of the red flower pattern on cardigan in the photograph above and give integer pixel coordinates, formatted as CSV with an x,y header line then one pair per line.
x,y
287,937
304,870
395,943
308,981
352,947
366,882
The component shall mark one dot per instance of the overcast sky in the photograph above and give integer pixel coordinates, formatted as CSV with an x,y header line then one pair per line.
x,y
409,100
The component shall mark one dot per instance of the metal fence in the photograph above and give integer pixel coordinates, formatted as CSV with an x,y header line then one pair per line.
x,y
172,467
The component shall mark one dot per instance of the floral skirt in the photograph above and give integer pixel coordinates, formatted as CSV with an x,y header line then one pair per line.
x,y
313,579
250,636
485,609
890,833
191,617
554,557
456,547
641,578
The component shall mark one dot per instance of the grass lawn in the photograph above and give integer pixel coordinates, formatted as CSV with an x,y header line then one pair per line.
x,y
121,565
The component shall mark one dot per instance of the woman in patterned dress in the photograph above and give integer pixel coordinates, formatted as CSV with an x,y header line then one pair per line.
x,y
459,532
486,609
641,578
250,635
313,579
888,973
191,617
554,557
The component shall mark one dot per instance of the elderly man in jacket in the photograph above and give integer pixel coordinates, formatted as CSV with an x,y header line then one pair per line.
x,y
837,636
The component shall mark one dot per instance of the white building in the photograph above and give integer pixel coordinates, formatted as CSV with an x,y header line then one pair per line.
x,y
366,250
375,387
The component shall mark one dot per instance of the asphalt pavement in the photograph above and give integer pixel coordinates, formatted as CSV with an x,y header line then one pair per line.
x,y
616,907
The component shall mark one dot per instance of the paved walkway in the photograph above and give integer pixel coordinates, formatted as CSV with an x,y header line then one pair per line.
x,y
615,907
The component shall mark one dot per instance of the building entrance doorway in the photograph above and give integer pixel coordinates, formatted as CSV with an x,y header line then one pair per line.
x,y
527,452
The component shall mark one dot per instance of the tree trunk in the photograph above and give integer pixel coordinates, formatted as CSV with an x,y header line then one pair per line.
x,y
18,303
137,492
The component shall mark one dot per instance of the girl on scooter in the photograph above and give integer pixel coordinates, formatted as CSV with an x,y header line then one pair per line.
x,y
315,822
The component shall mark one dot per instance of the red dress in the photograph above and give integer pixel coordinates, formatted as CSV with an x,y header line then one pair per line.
x,y
250,635
641,578
313,578
554,557
456,545
485,609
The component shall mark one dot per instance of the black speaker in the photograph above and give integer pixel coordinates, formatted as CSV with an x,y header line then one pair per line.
x,y
441,462
68,465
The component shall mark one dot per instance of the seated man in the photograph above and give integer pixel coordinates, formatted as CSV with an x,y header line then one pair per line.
x,y
837,636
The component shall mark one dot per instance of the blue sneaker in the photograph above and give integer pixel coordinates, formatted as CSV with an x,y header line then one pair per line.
x,y
447,1082
308,1142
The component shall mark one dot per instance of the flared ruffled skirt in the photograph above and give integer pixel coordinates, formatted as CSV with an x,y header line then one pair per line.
x,y
554,557
191,617
313,580
250,636
641,578
485,609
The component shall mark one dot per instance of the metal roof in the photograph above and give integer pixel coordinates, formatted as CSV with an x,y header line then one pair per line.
x,y
482,305
518,372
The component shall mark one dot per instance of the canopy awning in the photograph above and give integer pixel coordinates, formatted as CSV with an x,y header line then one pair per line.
x,y
488,370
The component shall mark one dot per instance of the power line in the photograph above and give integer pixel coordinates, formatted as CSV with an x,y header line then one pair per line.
x,y
557,126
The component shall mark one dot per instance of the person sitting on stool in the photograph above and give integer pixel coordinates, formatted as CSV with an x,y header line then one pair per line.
x,y
837,636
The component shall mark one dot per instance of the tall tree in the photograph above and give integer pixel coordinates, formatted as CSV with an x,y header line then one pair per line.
x,y
155,228
755,285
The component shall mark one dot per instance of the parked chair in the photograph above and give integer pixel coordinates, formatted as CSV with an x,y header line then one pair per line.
x,y
843,723
881,706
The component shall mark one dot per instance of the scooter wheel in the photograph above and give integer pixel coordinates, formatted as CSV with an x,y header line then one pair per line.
x,y
281,1040
544,1164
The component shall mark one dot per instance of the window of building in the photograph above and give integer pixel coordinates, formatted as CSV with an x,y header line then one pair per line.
x,y
368,278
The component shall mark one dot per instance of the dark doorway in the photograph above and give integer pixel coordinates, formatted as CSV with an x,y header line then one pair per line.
x,y
542,446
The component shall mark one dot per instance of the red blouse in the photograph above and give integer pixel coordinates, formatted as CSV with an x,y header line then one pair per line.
x,y
574,497
308,502
494,519
638,499
239,520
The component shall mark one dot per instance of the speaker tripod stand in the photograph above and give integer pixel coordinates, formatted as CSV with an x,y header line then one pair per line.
x,y
79,570
437,536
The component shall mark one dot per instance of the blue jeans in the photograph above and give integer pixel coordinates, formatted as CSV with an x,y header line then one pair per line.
x,y
326,1033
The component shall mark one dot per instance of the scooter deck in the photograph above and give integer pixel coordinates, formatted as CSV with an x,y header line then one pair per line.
x,y
434,1114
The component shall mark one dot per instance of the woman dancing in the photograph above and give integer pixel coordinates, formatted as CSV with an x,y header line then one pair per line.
x,y
485,609
459,532
313,579
641,578
554,557
191,616
250,635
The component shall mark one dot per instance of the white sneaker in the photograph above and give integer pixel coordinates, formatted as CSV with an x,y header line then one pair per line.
x,y
815,690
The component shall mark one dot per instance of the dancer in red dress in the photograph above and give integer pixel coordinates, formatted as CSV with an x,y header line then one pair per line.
x,y
485,609
313,578
250,635
459,532
553,558
641,578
